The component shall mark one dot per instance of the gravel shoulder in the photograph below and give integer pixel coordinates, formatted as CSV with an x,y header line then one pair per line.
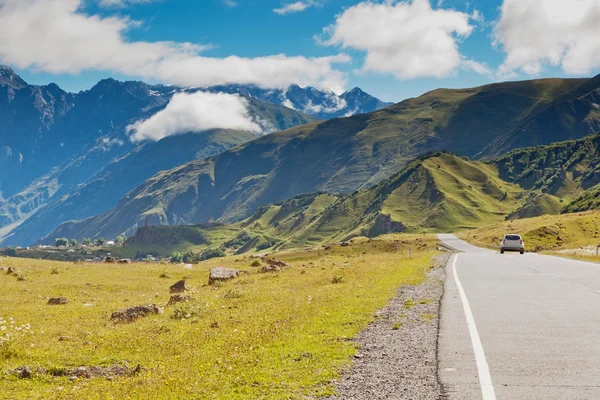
x,y
397,356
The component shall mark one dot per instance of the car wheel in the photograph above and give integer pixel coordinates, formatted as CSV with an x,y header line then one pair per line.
x,y
522,251
501,251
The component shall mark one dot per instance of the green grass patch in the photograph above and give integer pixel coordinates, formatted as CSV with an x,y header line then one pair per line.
x,y
287,336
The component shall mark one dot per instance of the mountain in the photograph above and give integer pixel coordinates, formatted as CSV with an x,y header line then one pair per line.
x,y
72,151
336,156
572,116
439,192
312,101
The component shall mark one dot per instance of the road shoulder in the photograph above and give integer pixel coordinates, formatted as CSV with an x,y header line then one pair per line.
x,y
397,356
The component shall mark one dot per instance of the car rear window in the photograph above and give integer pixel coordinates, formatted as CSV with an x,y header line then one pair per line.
x,y
512,237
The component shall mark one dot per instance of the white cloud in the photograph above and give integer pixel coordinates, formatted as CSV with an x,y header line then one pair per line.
x,y
535,33
406,39
122,3
298,6
231,3
56,37
196,112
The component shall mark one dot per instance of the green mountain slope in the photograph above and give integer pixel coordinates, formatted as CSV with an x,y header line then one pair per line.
x,y
439,192
572,116
336,156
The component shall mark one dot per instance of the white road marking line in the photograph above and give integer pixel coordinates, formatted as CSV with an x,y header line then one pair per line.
x,y
485,378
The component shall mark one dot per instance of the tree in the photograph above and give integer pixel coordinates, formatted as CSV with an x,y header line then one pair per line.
x,y
176,257
120,239
100,242
73,242
86,241
61,242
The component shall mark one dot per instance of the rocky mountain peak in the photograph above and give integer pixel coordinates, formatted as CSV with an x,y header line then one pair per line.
x,y
8,77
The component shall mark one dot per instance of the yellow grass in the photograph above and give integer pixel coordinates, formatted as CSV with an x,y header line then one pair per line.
x,y
283,335
545,233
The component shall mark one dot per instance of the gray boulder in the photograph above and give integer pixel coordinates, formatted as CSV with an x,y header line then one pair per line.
x,y
220,274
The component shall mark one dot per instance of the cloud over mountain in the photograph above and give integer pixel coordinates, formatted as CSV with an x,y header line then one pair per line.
x,y
56,36
406,39
196,112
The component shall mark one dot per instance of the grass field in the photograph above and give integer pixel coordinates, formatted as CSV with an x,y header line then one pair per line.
x,y
277,335
545,233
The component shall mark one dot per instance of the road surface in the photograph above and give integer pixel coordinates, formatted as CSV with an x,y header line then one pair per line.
x,y
519,326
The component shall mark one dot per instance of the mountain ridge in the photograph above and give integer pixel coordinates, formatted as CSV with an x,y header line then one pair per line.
x,y
338,156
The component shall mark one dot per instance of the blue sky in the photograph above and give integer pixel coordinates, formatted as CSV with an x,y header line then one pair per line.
x,y
251,29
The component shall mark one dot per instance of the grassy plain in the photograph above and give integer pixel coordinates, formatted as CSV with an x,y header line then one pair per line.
x,y
261,336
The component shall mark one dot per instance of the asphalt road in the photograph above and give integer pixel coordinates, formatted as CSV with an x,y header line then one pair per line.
x,y
519,326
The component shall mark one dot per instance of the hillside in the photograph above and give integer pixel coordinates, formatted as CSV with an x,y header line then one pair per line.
x,y
73,158
436,193
549,232
337,156
570,117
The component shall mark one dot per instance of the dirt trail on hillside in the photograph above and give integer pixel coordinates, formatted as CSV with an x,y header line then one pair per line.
x,y
397,358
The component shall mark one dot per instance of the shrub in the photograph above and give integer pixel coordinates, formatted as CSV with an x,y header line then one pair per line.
x,y
176,257
61,242
233,294
256,263
187,310
337,279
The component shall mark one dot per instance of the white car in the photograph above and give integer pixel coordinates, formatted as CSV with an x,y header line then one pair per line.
x,y
512,242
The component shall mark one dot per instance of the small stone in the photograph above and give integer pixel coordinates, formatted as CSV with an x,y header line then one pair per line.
x,y
133,313
177,298
24,372
278,263
57,301
178,287
270,268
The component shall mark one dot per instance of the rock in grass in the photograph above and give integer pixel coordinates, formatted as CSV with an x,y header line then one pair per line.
x,y
277,263
124,261
219,274
133,313
23,372
177,298
57,301
178,287
109,260
270,268
11,270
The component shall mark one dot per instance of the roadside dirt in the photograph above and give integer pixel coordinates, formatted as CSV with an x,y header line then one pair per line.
x,y
397,357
